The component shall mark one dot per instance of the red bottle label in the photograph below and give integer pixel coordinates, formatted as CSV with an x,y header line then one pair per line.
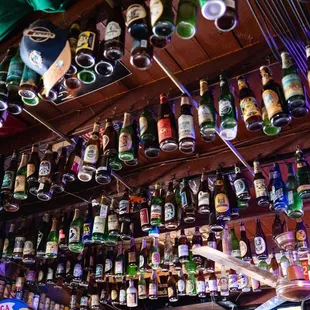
x,y
164,129
144,217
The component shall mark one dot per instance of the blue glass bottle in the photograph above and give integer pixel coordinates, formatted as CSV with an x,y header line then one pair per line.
x,y
278,191
88,226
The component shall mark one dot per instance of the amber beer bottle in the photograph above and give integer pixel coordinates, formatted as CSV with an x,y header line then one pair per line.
x,y
92,150
109,140
220,198
248,104
46,169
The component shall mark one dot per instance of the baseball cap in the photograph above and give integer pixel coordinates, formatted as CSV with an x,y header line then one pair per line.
x,y
45,49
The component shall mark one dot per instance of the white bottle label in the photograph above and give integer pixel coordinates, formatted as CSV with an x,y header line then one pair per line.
x,y
260,188
212,285
119,267
169,211
45,168
225,107
52,247
201,287
203,198
186,127
290,197
91,154
134,12
74,234
156,8
183,250
143,125
181,286
77,270
112,30
132,300
122,296
153,289
141,289
260,245
204,114
243,248
155,258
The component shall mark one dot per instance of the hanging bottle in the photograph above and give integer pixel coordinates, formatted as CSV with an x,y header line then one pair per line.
x,y
88,225
188,203
29,251
221,199
43,231
20,188
99,231
186,19
241,185
167,261
126,145
119,262
52,241
277,226
172,288
229,20
75,234
145,214
260,243
302,175
19,243
33,171
204,195
245,246
143,257
260,186
9,176
153,286
171,209
155,254
301,236
156,206
92,151
8,245
235,244
278,190
59,182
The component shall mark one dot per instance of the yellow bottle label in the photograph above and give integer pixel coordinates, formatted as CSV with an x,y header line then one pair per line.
x,y
86,41
221,203
20,183
156,8
249,108
272,102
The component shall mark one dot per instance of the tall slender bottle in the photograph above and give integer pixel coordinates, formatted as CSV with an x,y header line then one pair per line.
x,y
75,234
47,166
260,243
143,257
235,244
92,151
167,261
278,190
166,125
186,19
260,186
302,175
20,188
156,206
88,225
245,246
9,175
187,138
171,209
43,232
301,236
153,286
19,243
100,221
227,111
221,199
204,195
155,254
241,185
33,170
29,251
8,245
52,241
188,203
126,144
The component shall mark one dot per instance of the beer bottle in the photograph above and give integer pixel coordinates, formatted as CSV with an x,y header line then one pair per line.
x,y
233,281
212,282
113,225
87,45
137,20
153,286
270,193
124,207
76,231
143,257
249,107
135,145
226,241
156,206
241,185
15,104
142,287
119,262
33,170
295,204
223,282
100,222
162,17
204,195
260,242
183,249
167,261
292,87
15,72
43,231
229,20
126,145
188,203
8,245
197,242
207,115
155,254
278,190
212,10
274,100
74,32
109,262
114,292
159,42
260,186
277,226
235,244
186,19
201,285
274,266
29,83
141,54
92,150
167,130
88,225
94,297
29,251
109,140
4,67
19,242
220,198
301,236
115,35
52,241
103,172
211,242
171,209
84,300
46,169
172,288
59,182
244,243
147,126
227,111
187,139
73,162
132,259
303,175
122,293
131,295
9,175
64,231
145,214
20,188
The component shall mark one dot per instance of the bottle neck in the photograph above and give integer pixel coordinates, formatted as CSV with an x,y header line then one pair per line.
x,y
266,75
143,244
163,99
242,84
290,170
224,85
12,228
96,128
54,226
185,102
127,120
76,214
46,217
34,149
286,61
23,161
203,87
257,167
156,243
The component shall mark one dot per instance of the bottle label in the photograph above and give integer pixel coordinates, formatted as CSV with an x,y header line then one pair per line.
x,y
272,102
204,115
225,107
77,271
45,168
156,8
190,286
108,265
170,292
8,180
301,235
132,299
122,296
125,142
74,234
99,225
61,269
260,245
135,12
221,203
230,3
113,295
153,289
183,200
233,281
31,276
201,287
40,276
302,188
203,199
186,127
155,212
52,247
124,207
84,301
181,285
223,284
292,86
240,187
212,285
142,289
183,250
255,284
91,154
87,230
211,244
235,253
249,108
20,282
284,264
19,244
119,267
290,197
112,31
164,129
278,194
95,300
20,183
50,274
76,164
99,271
141,261
243,248
143,124
29,248
31,169
132,257
260,188
86,41
62,236
242,281
113,223
169,211
5,246
72,302
155,258
144,217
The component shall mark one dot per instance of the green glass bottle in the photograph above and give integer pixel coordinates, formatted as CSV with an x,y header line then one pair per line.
x,y
148,126
235,244
190,265
8,245
9,176
142,294
125,146
100,227
52,241
263,265
191,285
162,17
15,72
227,111
206,113
268,128
75,234
156,207
186,19
87,76
155,255
119,262
303,175
132,259
20,188
295,205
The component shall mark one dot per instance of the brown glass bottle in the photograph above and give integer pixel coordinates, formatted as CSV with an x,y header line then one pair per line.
x,y
245,246
145,215
59,182
183,249
74,161
176,262
260,186
124,207
109,139
249,107
220,198
172,288
33,170
47,166
260,242
204,195
92,150
212,284
171,209
197,242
